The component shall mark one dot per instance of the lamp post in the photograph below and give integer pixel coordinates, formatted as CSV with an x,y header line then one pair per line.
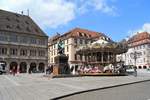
x,y
134,55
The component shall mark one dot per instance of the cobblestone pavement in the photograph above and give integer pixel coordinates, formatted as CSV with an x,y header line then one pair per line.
x,y
37,87
138,91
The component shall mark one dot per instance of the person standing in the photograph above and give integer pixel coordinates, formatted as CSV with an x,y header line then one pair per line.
x,y
14,70
135,71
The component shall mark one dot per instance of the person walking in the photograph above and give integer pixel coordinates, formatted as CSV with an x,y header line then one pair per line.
x,y
135,71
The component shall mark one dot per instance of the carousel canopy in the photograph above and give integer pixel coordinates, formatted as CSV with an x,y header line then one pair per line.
x,y
102,45
100,41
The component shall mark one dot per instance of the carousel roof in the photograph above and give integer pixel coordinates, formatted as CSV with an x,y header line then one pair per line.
x,y
102,45
100,41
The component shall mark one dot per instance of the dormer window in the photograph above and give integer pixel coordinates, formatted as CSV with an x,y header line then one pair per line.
x,y
18,27
27,22
28,29
8,26
7,18
36,30
80,34
17,20
85,35
17,15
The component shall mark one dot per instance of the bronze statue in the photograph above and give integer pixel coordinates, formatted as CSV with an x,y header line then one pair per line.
x,y
60,47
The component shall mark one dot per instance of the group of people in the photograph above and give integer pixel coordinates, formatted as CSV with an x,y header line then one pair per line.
x,y
85,69
89,69
49,69
14,70
119,68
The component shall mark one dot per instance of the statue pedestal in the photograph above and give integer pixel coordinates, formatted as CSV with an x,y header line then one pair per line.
x,y
55,70
61,65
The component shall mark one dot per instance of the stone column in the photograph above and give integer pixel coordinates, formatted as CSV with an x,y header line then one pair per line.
x,y
102,56
7,67
37,65
28,66
108,57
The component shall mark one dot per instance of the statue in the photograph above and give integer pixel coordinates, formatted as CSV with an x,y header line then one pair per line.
x,y
60,47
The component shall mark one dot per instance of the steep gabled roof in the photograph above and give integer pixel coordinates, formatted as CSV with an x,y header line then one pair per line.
x,y
139,37
79,32
14,22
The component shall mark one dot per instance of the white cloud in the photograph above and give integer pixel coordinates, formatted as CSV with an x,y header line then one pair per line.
x,y
54,13
144,28
98,5
47,13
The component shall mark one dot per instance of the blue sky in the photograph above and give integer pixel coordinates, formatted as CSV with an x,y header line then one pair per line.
x,y
116,18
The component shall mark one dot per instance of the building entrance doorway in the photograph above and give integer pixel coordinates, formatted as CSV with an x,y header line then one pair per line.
x,y
32,68
41,67
23,67
13,65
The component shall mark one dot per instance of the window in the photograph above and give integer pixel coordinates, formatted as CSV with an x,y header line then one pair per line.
x,y
3,51
149,45
81,57
80,34
27,22
86,42
54,52
8,26
13,51
23,39
23,52
144,53
68,56
18,27
42,42
13,38
32,40
28,29
3,37
42,53
51,60
67,48
85,35
143,46
67,41
75,56
54,46
144,67
80,41
144,60
75,41
32,52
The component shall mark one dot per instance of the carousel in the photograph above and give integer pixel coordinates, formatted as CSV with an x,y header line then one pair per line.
x,y
100,56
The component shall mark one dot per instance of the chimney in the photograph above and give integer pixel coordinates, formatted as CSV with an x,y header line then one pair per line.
x,y
22,12
28,12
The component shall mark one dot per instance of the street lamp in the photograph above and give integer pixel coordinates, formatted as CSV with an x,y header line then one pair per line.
x,y
134,55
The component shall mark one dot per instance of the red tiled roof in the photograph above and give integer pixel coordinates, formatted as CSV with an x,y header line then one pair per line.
x,y
78,32
139,37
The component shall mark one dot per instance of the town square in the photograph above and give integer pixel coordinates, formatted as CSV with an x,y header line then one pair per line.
x,y
61,49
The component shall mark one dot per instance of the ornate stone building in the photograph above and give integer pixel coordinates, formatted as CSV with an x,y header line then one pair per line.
x,y
73,40
139,51
22,43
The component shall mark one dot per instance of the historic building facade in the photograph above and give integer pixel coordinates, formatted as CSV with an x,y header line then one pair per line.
x,y
73,40
139,51
23,44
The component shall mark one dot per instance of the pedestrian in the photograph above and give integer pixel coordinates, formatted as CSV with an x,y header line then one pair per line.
x,y
13,70
135,71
